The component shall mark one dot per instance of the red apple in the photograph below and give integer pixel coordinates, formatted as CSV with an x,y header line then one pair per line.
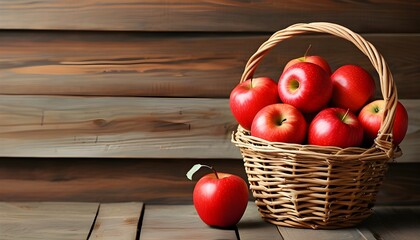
x,y
311,59
353,87
279,123
371,117
335,127
220,199
248,97
306,86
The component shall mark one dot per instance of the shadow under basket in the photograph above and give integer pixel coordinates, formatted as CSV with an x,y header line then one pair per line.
x,y
307,186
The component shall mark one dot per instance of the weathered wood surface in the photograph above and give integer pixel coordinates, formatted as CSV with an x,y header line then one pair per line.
x,y
178,222
396,222
115,127
251,221
46,220
154,181
200,15
190,51
386,223
52,220
342,234
117,221
44,126
188,65
106,180
401,185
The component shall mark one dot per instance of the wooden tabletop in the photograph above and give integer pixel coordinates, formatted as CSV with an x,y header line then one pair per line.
x,y
135,220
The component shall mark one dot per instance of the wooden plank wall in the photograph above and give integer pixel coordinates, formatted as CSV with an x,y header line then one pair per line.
x,y
114,100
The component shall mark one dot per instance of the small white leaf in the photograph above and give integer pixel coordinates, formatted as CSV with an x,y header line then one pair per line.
x,y
193,170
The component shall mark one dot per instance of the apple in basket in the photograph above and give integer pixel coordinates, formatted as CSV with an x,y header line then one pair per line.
x,y
371,117
353,87
280,122
306,86
318,60
335,127
220,199
248,97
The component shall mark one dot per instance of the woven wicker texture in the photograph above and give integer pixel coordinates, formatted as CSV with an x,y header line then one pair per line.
x,y
311,186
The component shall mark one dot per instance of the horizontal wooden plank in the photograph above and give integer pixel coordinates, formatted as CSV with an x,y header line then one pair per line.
x,y
178,222
396,222
71,220
303,234
148,180
401,185
107,180
116,127
385,223
43,126
46,220
201,15
171,216
186,65
117,221
252,226
191,234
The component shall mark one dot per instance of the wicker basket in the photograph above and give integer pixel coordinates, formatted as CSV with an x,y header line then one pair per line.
x,y
317,187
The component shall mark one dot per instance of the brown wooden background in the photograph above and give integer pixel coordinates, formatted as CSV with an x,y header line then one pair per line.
x,y
115,100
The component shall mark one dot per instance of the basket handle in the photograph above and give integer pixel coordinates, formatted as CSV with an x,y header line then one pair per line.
x,y
388,88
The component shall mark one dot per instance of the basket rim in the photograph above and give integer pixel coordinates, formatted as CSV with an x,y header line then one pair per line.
x,y
383,141
242,139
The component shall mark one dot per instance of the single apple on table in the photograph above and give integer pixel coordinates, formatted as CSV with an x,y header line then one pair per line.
x,y
280,122
353,87
220,199
371,117
306,86
248,97
335,127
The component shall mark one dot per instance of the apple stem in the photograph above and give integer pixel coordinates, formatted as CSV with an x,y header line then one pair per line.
x,y
307,51
345,115
213,169
196,167
282,121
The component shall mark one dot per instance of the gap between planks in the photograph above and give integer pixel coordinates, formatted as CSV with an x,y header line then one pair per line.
x,y
183,222
69,220
117,221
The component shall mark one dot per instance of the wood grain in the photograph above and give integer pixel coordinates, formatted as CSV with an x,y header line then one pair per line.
x,y
104,180
201,15
397,222
386,223
400,185
117,221
382,225
178,222
252,226
50,126
73,220
342,234
46,220
171,216
154,181
116,127
175,65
